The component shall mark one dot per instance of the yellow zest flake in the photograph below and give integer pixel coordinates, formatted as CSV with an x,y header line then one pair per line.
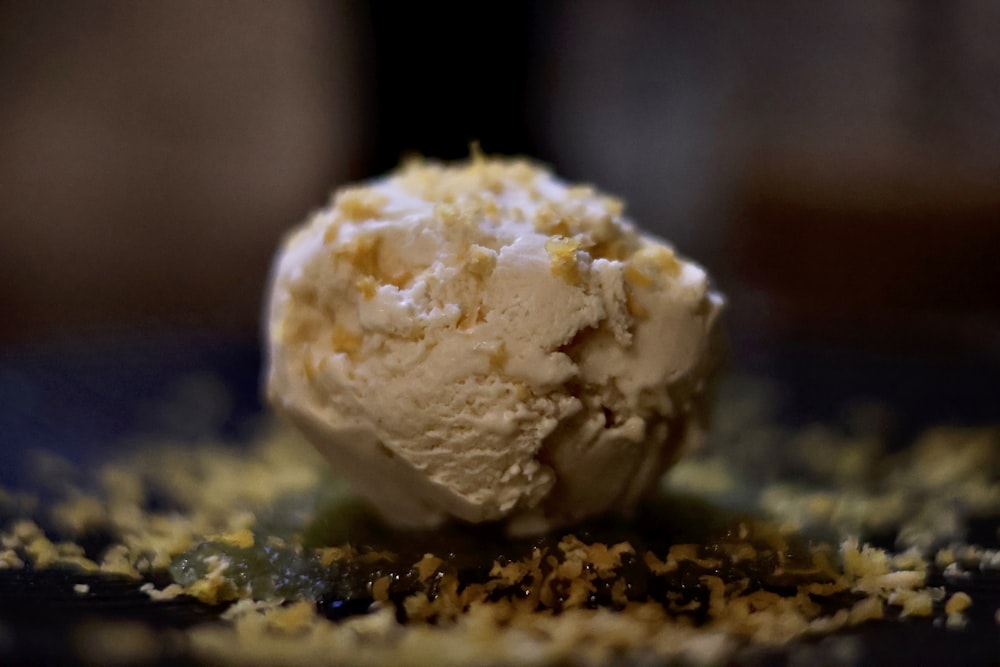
x,y
79,514
863,561
657,566
213,587
647,264
117,559
636,276
490,209
377,556
330,234
42,551
944,557
427,566
569,569
661,257
242,539
476,153
635,309
330,555
913,603
345,341
613,249
580,192
494,183
957,603
473,594
360,204
619,592
605,559
608,241
866,609
490,174
293,619
456,215
549,220
9,559
614,205
510,573
563,252
170,592
362,254
418,606
367,285
447,213
299,330
580,590
380,589
471,209
481,261
522,172
25,531
689,552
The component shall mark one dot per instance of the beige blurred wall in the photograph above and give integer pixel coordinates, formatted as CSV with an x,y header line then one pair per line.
x,y
152,154
835,165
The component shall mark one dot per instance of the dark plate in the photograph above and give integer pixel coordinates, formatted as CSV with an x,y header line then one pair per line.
x,y
80,399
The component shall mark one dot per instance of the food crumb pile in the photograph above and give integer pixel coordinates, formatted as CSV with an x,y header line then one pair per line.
x,y
724,560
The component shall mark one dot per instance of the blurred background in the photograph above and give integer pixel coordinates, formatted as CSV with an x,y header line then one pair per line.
x,y
836,166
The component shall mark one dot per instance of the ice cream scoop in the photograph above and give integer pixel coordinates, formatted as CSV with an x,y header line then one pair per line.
x,y
484,341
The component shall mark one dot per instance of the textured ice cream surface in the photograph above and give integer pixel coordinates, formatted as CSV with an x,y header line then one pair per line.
x,y
484,341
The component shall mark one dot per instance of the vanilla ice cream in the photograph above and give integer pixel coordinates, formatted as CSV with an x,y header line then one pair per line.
x,y
485,341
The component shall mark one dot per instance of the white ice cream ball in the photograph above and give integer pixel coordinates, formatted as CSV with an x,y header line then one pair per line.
x,y
483,341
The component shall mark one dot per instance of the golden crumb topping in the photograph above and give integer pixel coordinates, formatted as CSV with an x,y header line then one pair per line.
x,y
359,204
748,582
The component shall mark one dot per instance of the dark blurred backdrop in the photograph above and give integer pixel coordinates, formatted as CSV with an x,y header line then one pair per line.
x,y
835,165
